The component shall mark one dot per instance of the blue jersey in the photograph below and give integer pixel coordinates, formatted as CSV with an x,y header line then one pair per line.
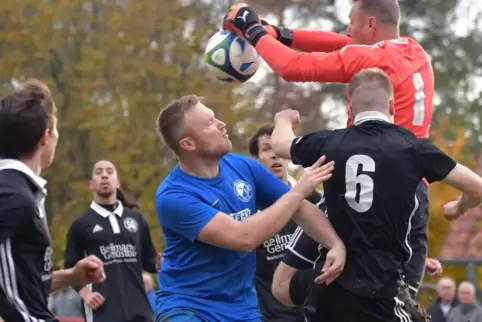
x,y
216,283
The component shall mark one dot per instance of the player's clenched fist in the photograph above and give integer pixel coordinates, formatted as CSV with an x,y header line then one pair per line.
x,y
289,116
245,22
88,270
313,177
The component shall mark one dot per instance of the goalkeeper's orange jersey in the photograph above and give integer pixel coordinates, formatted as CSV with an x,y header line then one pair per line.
x,y
330,57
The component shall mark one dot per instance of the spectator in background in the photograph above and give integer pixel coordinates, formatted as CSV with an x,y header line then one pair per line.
x,y
445,301
150,292
66,302
469,308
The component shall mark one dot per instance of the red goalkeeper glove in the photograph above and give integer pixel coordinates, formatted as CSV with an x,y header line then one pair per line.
x,y
283,35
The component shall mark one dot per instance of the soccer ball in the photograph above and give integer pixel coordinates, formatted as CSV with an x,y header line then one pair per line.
x,y
231,58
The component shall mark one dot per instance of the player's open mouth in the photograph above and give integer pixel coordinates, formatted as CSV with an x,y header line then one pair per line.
x,y
226,136
277,166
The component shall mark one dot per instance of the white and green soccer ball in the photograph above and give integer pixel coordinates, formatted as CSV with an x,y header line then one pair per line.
x,y
231,58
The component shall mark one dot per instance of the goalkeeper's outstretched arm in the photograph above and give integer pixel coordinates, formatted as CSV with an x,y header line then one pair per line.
x,y
318,41
338,66
308,40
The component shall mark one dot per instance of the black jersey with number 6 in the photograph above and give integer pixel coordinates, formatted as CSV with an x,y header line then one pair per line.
x,y
371,195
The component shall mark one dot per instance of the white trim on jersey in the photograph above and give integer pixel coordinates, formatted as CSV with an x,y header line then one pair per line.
x,y
413,288
89,314
400,311
407,243
8,282
294,239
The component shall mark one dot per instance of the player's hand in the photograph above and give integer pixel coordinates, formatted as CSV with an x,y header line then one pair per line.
x,y
158,261
334,264
453,210
434,267
289,115
239,18
94,300
88,270
314,176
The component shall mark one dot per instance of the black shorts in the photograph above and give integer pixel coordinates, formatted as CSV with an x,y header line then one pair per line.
x,y
335,304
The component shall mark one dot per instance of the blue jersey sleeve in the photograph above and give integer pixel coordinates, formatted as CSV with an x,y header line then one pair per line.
x,y
183,212
267,186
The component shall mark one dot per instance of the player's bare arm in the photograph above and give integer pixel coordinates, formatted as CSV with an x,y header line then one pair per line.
x,y
224,231
470,184
285,122
86,271
281,283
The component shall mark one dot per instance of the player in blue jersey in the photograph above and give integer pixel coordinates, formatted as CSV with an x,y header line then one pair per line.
x,y
207,207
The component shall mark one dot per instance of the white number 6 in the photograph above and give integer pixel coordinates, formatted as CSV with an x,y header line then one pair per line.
x,y
359,199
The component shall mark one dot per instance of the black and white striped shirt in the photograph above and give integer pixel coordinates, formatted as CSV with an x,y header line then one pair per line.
x,y
25,251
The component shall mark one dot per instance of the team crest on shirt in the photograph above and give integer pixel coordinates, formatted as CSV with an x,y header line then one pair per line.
x,y
130,224
243,190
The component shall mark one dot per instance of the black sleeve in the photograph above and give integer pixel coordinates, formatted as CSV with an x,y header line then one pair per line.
x,y
16,213
75,250
315,198
305,150
299,284
435,164
148,251
302,251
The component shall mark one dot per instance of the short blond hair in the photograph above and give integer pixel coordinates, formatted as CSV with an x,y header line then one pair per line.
x,y
370,89
171,120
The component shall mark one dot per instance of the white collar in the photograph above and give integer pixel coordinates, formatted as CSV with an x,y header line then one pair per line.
x,y
13,164
104,212
371,116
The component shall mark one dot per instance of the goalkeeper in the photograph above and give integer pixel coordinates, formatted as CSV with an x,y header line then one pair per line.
x,y
372,40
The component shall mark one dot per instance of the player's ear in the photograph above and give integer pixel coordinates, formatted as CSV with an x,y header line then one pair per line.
x,y
372,23
44,137
91,184
187,144
391,105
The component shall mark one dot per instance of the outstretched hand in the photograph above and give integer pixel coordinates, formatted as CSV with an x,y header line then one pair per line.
x,y
314,176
